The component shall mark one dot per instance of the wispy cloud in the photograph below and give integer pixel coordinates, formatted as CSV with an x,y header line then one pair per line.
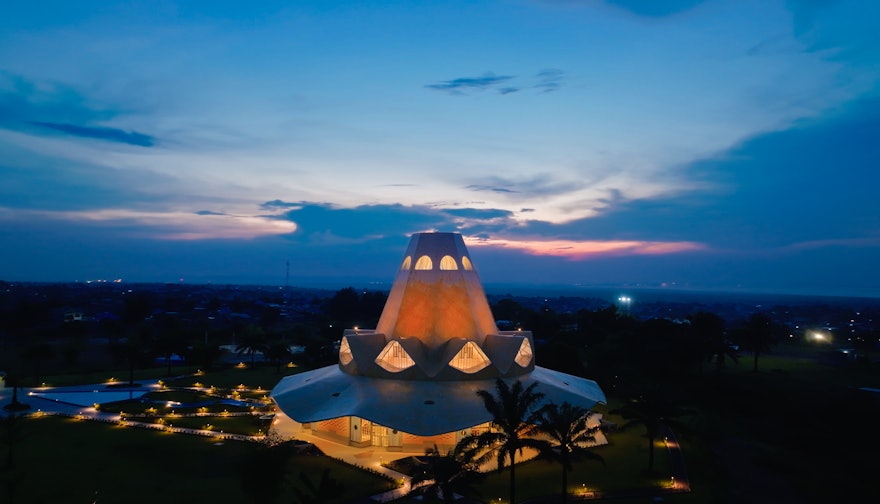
x,y
172,225
549,80
483,187
538,184
644,8
101,133
479,213
463,85
583,249
545,81
38,107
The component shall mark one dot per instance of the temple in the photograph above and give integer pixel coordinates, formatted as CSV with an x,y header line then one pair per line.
x,y
411,383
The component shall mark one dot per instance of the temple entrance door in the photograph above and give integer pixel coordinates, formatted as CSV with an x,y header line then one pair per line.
x,y
366,429
380,435
383,436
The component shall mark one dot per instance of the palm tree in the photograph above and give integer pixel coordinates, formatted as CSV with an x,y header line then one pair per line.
x,y
13,378
253,341
277,351
167,344
515,411
568,427
445,475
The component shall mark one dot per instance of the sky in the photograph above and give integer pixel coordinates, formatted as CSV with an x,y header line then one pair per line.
x,y
683,144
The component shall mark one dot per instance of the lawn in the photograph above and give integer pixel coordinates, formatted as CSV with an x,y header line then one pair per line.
x,y
65,460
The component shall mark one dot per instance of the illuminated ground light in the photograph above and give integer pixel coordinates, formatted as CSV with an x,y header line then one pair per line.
x,y
819,336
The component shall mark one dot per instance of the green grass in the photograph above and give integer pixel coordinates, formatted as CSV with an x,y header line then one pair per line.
x,y
65,460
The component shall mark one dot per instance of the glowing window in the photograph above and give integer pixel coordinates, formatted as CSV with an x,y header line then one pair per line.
x,y
466,263
470,359
345,355
448,263
524,356
394,358
406,263
424,263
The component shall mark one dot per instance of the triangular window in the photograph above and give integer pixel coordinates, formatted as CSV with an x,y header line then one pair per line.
x,y
345,355
394,358
470,359
524,356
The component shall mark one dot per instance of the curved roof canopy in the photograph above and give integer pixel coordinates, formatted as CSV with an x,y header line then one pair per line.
x,y
420,407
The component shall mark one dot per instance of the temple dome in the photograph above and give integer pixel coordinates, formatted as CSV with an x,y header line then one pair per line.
x,y
437,295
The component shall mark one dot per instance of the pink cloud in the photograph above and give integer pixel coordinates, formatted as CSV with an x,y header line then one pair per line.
x,y
582,249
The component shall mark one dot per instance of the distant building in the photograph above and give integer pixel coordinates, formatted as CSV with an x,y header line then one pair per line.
x,y
411,382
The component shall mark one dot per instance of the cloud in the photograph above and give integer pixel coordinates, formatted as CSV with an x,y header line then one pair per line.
x,y
278,204
35,107
462,85
101,133
479,213
362,221
549,80
643,8
539,184
480,187
811,186
656,9
171,225
583,249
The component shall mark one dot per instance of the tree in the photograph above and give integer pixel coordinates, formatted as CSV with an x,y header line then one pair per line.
x,y
166,344
711,328
758,336
37,352
135,349
568,427
13,379
277,351
445,475
651,411
515,411
253,341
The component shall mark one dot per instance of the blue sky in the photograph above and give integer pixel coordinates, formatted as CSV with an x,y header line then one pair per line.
x,y
723,144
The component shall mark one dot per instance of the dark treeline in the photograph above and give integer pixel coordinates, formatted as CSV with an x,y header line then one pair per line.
x,y
703,370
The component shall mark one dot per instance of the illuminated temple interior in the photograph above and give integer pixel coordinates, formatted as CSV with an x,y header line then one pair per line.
x,y
411,383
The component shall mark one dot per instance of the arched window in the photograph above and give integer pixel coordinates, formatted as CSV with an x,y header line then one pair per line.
x,y
470,359
394,358
524,356
448,263
466,263
424,263
345,355
406,263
